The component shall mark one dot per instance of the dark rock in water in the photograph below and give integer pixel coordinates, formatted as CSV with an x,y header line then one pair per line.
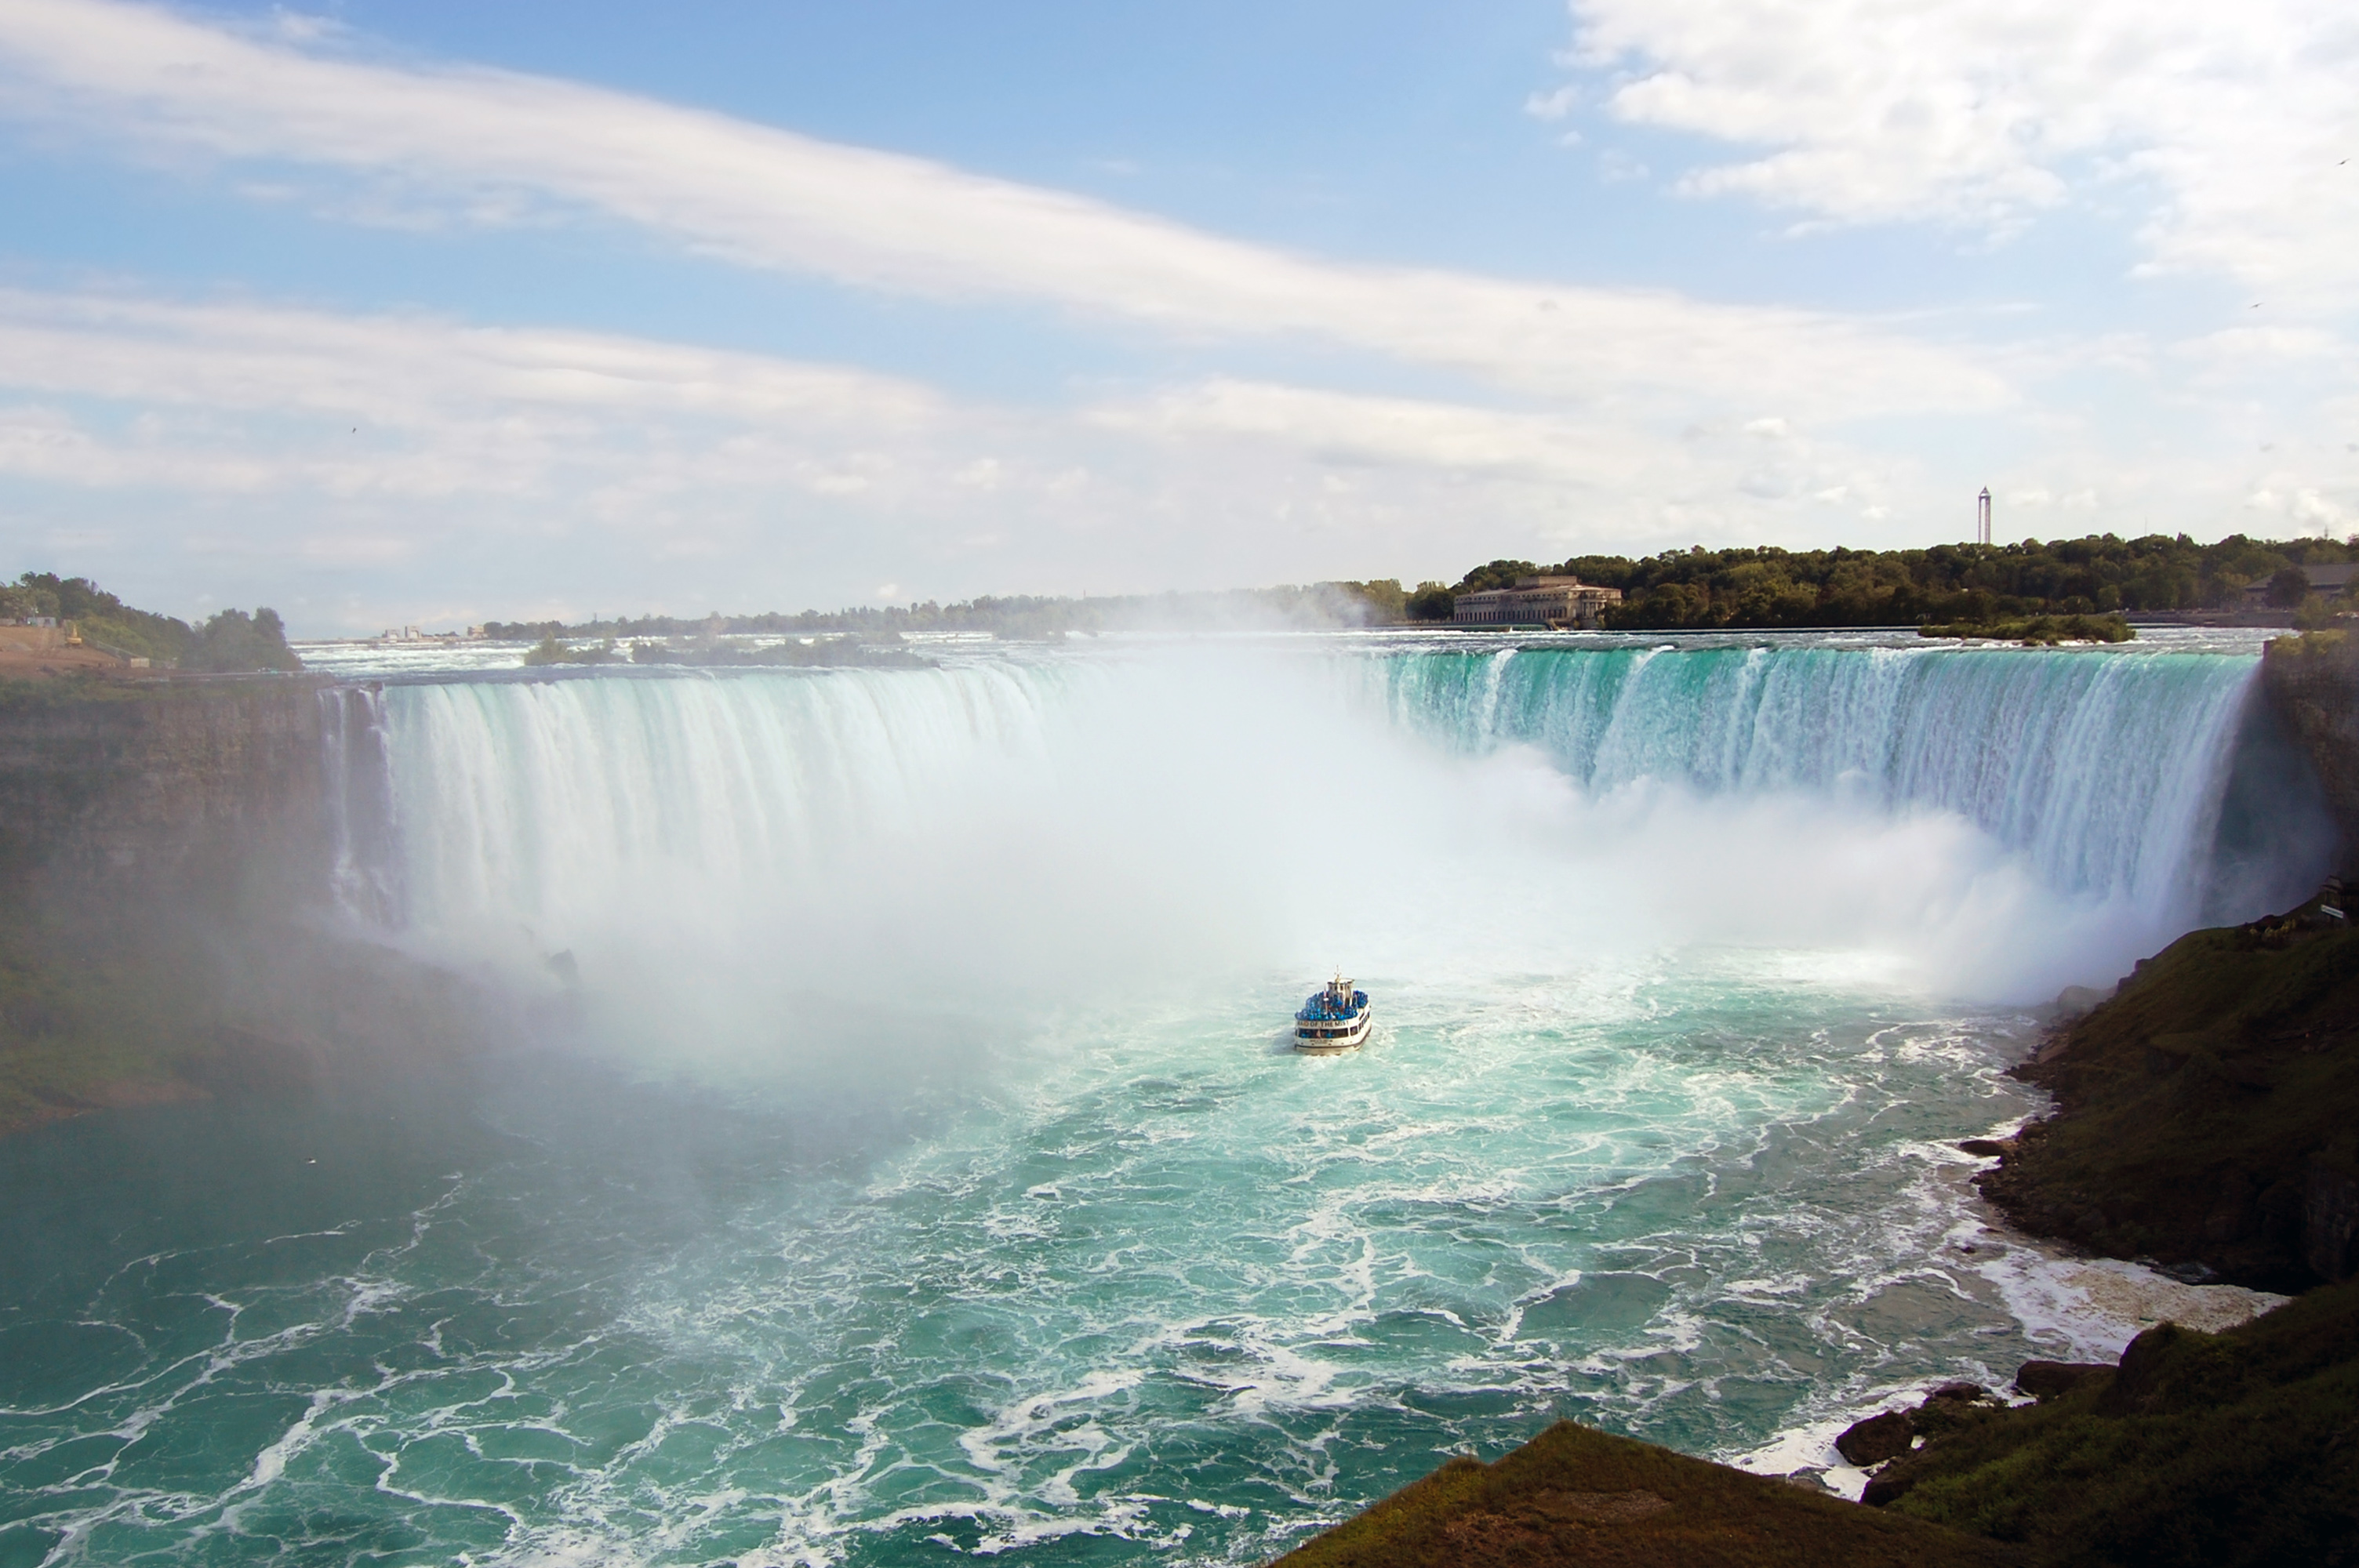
x,y
1982,1148
2187,1274
1955,1407
1876,1439
2046,1379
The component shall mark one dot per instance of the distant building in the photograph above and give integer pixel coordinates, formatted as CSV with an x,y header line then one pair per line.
x,y
1558,602
2329,580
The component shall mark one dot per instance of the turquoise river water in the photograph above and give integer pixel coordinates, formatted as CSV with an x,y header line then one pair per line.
x,y
912,1166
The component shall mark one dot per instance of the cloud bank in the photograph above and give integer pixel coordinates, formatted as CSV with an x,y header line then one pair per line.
x,y
2227,126
483,145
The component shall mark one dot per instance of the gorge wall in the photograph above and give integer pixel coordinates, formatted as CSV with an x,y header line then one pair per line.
x,y
161,848
2312,683
112,789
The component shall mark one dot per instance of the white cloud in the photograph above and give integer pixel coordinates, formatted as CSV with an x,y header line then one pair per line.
x,y
2228,122
1355,429
1629,478
111,392
410,371
481,145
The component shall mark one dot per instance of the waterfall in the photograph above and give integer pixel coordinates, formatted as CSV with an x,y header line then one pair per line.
x,y
1034,820
2106,769
364,866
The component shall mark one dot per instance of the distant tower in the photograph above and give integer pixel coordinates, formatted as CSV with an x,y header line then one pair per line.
x,y
1983,517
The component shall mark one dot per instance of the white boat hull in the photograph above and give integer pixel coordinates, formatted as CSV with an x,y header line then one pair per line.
x,y
1332,1038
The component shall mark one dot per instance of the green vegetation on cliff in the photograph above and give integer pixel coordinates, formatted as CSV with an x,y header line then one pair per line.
x,y
2043,631
234,643
1574,1495
102,1006
1973,585
231,641
550,650
2205,1115
2199,1450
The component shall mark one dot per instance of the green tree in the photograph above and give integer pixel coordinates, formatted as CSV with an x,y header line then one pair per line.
x,y
1498,574
2288,586
1431,601
235,642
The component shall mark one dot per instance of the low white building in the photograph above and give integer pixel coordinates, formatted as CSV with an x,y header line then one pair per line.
x,y
1559,603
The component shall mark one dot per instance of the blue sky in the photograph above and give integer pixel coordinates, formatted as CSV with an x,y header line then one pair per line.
x,y
432,312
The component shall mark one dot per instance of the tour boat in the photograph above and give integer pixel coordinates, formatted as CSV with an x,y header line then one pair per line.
x,y
1337,1019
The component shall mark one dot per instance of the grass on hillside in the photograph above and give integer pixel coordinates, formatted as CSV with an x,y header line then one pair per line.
x,y
1573,1495
2218,1450
2190,1105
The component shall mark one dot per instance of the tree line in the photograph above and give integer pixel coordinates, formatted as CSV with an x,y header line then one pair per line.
x,y
1763,586
1018,616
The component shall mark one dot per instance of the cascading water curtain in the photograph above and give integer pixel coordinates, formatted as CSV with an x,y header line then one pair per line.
x,y
2106,770
357,780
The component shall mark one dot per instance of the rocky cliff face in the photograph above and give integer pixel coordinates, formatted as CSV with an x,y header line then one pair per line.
x,y
162,847
2312,682
116,789
2203,1112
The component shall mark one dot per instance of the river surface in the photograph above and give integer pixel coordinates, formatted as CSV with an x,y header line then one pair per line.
x,y
909,1162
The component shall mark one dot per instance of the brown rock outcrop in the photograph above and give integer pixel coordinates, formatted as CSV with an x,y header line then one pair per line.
x,y
1879,1438
2048,1379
